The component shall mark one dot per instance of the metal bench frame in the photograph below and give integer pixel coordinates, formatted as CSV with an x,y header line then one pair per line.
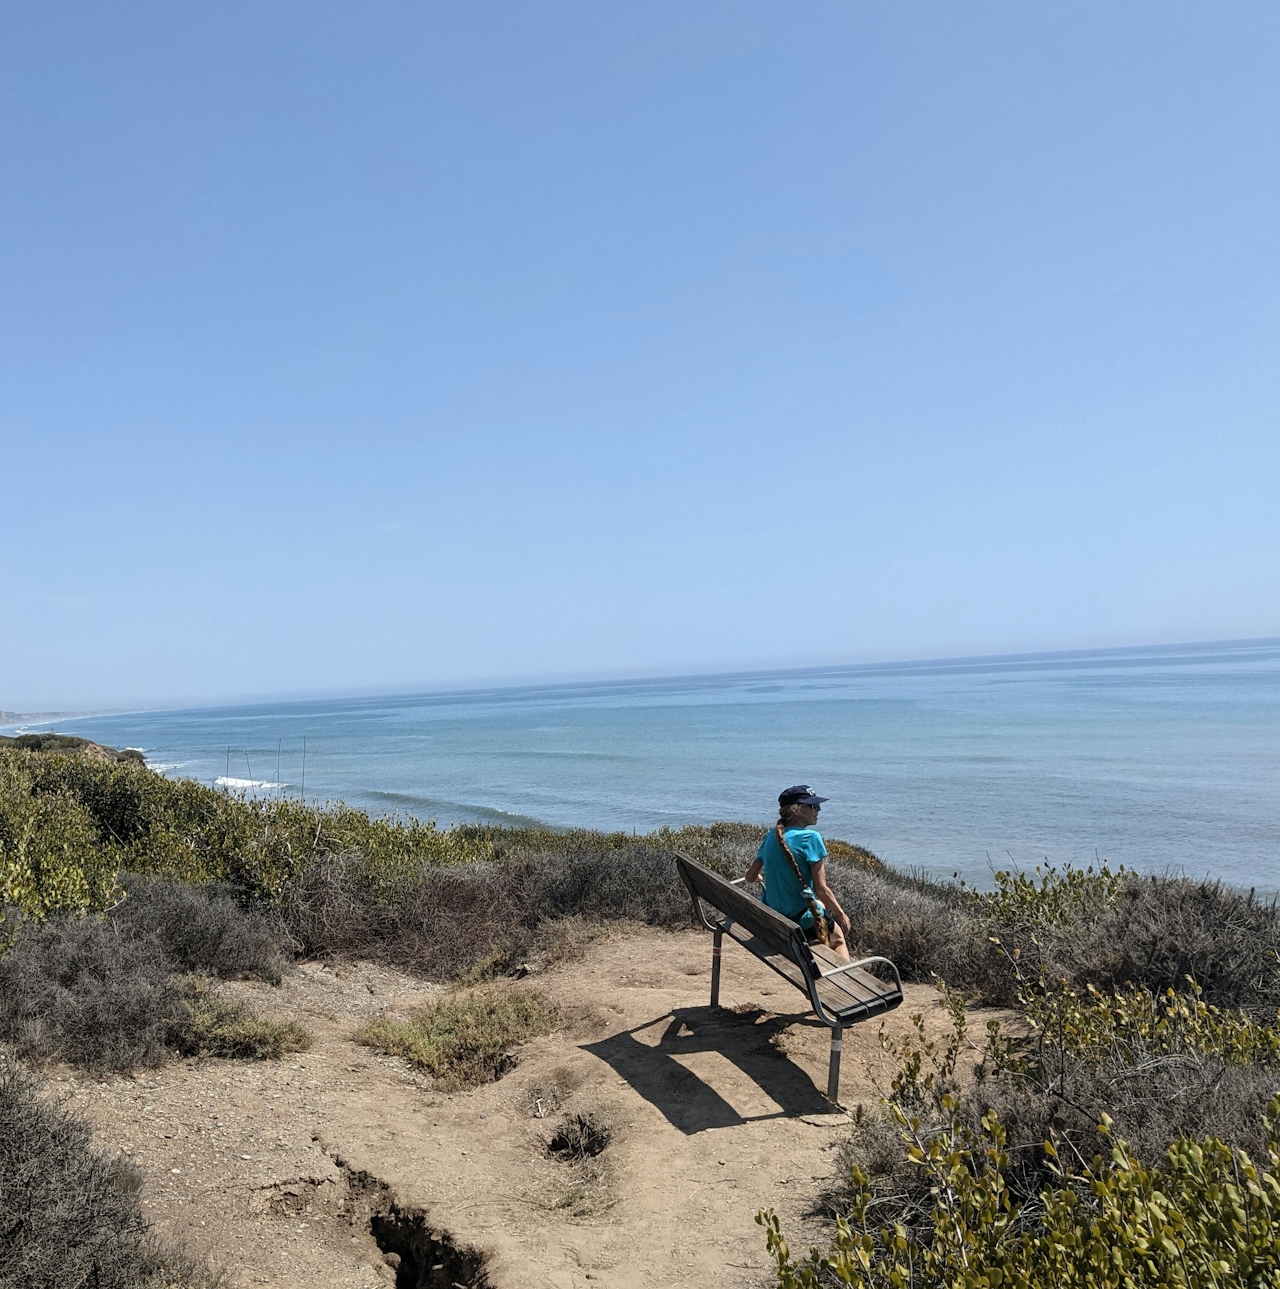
x,y
781,945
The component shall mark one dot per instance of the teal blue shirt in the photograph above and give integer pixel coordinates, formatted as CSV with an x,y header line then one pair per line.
x,y
781,890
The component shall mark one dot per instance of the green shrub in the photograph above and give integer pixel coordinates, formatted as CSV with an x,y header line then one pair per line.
x,y
96,818
398,889
51,859
1167,1073
1207,1217
1133,1025
464,1041
1025,1179
1111,929
1056,898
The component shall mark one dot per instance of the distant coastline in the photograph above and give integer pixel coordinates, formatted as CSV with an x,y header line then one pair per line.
x,y
10,719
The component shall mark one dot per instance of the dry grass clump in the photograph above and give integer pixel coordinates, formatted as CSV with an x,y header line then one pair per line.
x,y
466,1040
216,1027
68,1215
561,940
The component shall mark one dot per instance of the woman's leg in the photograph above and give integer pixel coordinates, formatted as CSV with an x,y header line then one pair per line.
x,y
835,940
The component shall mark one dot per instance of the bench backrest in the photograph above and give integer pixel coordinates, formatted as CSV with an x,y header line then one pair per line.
x,y
779,934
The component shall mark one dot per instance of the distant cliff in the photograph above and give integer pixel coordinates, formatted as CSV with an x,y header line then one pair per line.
x,y
69,743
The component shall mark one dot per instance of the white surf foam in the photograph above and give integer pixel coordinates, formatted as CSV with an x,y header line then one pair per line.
x,y
246,785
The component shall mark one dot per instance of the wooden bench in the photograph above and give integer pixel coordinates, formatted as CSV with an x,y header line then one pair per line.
x,y
840,993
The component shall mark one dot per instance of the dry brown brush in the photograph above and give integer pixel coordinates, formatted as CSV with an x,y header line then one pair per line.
x,y
69,1215
130,988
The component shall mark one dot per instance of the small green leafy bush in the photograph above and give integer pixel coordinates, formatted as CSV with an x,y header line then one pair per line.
x,y
1111,929
1052,897
68,824
51,859
1133,1025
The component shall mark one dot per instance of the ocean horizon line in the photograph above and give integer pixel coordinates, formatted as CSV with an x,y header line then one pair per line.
x,y
551,685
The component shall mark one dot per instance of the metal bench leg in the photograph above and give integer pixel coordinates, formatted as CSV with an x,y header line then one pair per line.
x,y
833,1070
715,968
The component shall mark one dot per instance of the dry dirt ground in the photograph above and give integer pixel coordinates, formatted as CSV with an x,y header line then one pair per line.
x,y
283,1173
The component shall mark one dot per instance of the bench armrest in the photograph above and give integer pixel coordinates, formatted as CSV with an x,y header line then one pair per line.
x,y
862,962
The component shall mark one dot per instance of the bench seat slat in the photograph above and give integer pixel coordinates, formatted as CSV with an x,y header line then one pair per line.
x,y
845,1003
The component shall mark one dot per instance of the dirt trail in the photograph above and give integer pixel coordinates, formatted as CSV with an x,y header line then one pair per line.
x,y
279,1170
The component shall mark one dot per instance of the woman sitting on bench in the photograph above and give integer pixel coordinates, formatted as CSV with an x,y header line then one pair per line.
x,y
793,860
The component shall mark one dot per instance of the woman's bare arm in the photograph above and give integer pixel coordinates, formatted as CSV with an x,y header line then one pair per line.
x,y
828,897
753,873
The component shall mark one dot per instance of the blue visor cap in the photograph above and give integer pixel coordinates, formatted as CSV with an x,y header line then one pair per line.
x,y
801,795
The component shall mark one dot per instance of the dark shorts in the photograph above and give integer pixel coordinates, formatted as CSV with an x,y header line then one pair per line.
x,y
811,933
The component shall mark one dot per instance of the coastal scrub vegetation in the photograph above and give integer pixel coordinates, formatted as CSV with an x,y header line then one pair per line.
x,y
1126,1136
1125,1126
71,1215
107,994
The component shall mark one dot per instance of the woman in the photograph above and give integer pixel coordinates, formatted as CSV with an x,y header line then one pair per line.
x,y
793,860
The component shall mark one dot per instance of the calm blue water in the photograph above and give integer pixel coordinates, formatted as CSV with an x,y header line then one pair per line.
x,y
1154,758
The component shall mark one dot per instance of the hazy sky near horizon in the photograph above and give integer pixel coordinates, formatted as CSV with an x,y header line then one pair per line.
x,y
349,346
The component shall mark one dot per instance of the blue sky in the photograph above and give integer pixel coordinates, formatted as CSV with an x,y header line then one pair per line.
x,y
353,346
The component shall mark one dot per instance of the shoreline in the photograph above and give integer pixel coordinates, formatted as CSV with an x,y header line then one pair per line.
x,y
392,805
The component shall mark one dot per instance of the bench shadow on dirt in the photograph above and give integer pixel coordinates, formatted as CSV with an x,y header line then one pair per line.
x,y
747,1038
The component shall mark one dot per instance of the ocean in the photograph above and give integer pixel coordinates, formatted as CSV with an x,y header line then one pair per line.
x,y
1162,758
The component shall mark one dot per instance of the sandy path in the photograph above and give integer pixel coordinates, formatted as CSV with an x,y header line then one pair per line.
x,y
274,1169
